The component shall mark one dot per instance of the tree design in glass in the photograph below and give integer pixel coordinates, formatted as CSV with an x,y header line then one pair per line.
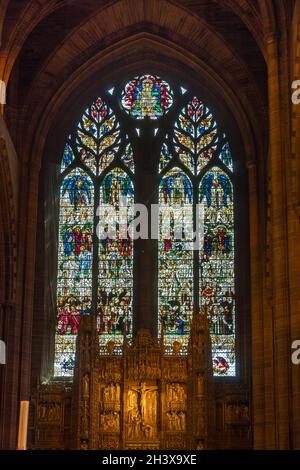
x,y
195,136
175,258
147,96
98,136
217,268
74,280
115,258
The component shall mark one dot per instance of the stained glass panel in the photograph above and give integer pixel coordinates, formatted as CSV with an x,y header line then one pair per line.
x,y
195,136
74,279
217,275
165,157
68,157
115,258
147,96
226,156
98,136
127,158
175,258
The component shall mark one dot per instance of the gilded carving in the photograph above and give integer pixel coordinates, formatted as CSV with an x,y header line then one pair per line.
x,y
49,412
142,401
176,421
176,395
111,393
132,403
237,413
85,386
110,422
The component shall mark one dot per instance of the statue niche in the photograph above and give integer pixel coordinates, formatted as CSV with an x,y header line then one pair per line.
x,y
141,407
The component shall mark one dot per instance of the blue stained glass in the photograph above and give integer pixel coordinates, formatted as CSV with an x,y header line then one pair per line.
x,y
217,277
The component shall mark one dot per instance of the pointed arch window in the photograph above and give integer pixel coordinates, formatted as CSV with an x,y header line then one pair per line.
x,y
204,277
175,257
194,167
96,171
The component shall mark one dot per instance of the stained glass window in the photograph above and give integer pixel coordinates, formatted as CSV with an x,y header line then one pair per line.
x,y
196,142
217,268
94,144
147,96
74,281
95,263
175,258
115,258
68,157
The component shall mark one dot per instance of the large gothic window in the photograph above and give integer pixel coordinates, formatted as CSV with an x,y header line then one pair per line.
x,y
194,185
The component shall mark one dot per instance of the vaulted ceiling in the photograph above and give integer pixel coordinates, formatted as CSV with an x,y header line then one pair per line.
x,y
47,45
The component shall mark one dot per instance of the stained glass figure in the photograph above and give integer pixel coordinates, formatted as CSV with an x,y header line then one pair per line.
x,y
68,157
165,157
195,136
74,279
217,276
147,96
175,258
115,258
98,136
226,156
127,158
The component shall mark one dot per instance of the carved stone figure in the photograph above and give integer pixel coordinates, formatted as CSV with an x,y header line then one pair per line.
x,y
134,424
85,385
110,422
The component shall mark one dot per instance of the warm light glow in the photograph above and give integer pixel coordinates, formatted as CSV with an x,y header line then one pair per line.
x,y
23,425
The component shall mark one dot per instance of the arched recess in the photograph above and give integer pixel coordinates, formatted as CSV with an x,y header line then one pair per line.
x,y
34,136
69,109
58,101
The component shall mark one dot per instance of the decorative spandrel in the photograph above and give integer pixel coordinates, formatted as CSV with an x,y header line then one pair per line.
x,y
115,258
147,96
175,258
217,276
74,278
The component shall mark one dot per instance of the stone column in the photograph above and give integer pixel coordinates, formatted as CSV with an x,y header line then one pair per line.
x,y
276,326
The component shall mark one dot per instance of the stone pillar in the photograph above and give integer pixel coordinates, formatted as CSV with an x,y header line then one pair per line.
x,y
276,325
293,202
